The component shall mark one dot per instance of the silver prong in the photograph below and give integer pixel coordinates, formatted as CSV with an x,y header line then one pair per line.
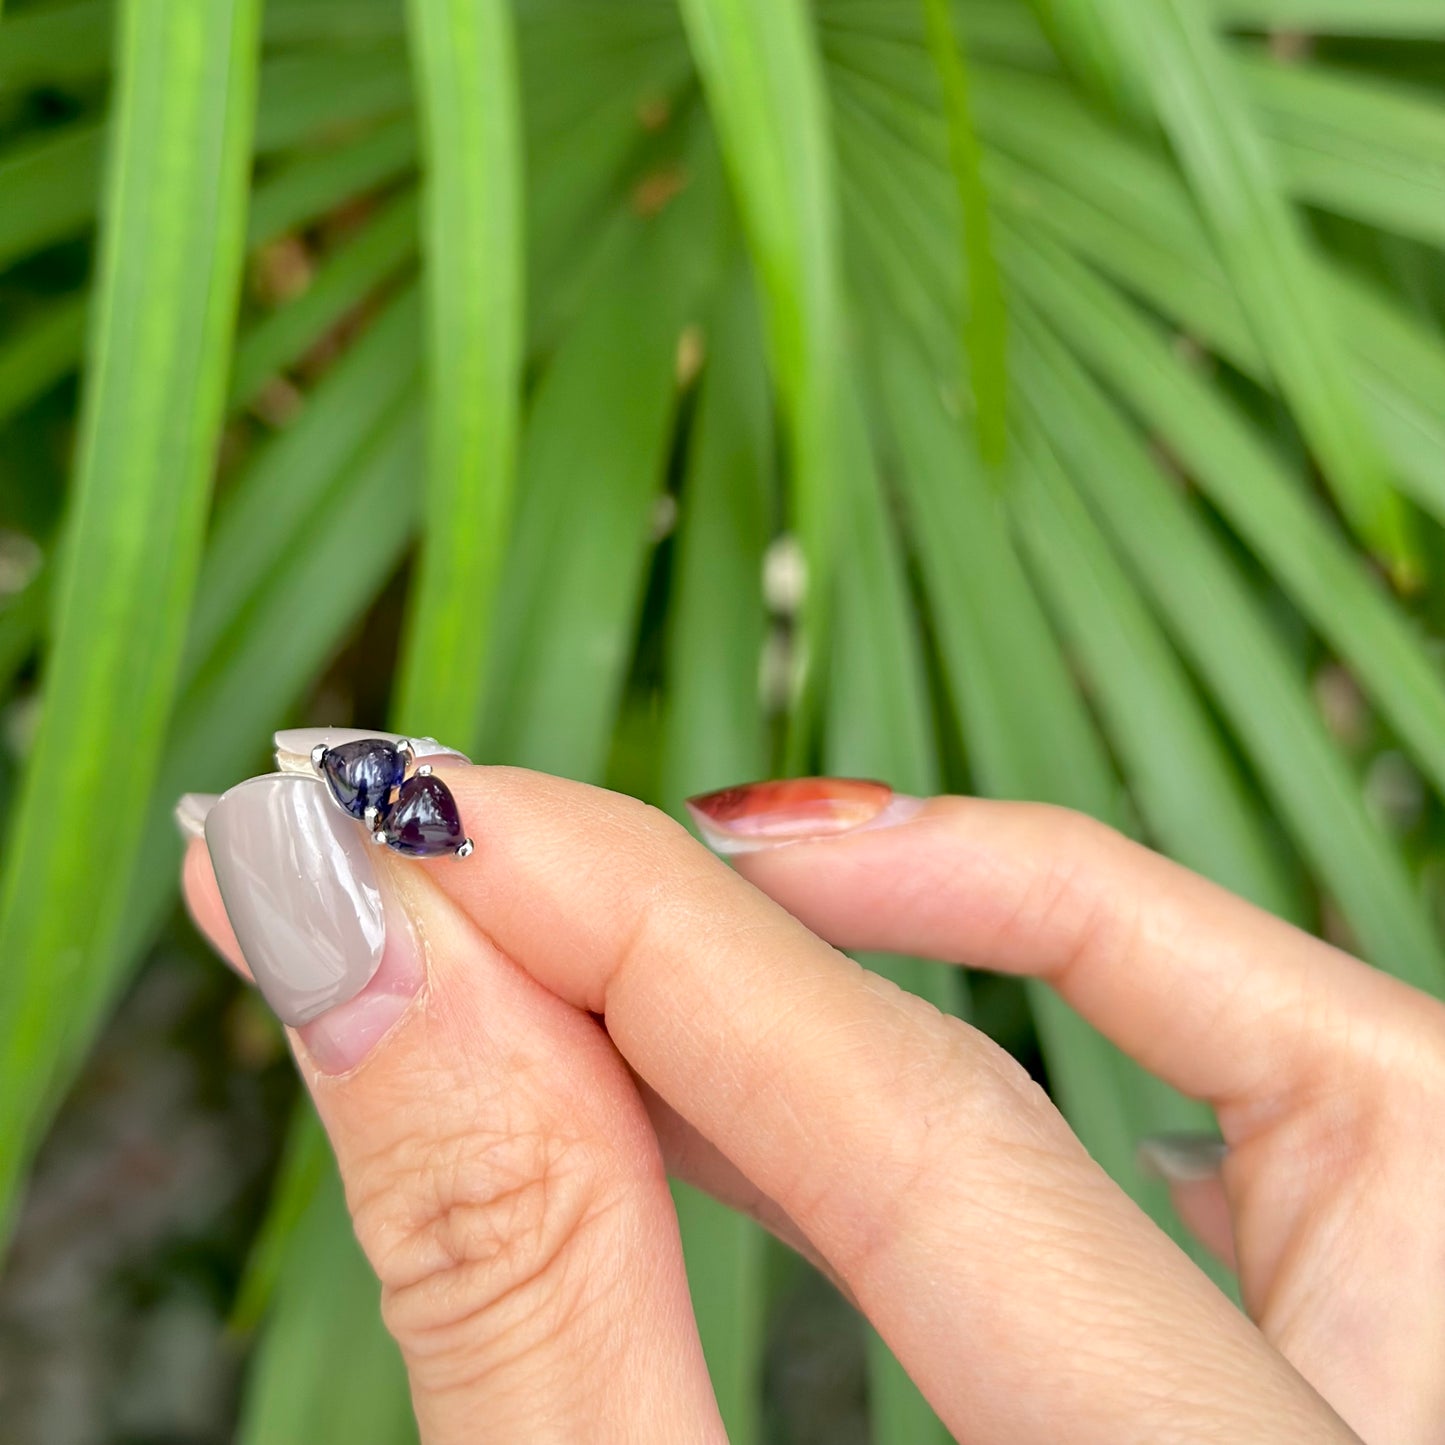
x,y
408,753
424,771
318,753
369,817
379,836
465,848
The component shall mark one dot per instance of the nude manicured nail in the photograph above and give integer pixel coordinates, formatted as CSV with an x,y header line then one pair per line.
x,y
294,745
343,1036
1182,1158
190,813
302,893
796,810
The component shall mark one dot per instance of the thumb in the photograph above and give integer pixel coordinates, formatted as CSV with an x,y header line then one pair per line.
x,y
499,1166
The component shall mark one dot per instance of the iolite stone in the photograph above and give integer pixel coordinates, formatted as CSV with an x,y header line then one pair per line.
x,y
423,822
363,774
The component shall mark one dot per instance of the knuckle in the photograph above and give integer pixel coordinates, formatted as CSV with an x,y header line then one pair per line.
x,y
652,871
1074,834
638,830
480,1239
1372,1089
961,1110
670,889
1395,1070
1420,1042
1007,1109
1063,888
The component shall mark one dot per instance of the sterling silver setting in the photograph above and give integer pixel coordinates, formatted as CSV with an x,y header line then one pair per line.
x,y
375,819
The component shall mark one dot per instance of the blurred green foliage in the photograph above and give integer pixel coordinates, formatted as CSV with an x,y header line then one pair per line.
x,y
1044,398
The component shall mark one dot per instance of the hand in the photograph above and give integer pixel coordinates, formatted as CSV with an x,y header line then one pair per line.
x,y
592,1000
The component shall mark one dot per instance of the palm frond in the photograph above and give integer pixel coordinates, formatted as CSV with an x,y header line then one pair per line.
x,y
652,293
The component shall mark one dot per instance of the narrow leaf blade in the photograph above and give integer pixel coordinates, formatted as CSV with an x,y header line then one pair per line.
x,y
163,320
466,66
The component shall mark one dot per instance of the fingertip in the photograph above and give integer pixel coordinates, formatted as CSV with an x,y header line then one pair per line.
x,y
203,903
500,1168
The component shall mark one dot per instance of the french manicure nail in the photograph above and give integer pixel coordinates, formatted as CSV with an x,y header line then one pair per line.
x,y
190,813
796,810
303,895
1182,1158
294,745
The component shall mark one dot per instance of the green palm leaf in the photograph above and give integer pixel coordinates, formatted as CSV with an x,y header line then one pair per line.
x,y
465,55
792,273
1205,112
160,346
760,66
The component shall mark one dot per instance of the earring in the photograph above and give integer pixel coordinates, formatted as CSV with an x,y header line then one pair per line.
x,y
413,815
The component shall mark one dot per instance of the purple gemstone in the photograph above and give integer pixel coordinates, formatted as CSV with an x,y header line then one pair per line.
x,y
363,774
423,822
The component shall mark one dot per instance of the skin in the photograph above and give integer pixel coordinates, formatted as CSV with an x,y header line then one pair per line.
x,y
505,1151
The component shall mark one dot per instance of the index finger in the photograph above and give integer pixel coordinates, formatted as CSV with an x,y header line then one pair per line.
x,y
1017,1284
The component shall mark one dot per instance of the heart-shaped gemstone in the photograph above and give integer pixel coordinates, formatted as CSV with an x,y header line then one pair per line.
x,y
423,822
363,774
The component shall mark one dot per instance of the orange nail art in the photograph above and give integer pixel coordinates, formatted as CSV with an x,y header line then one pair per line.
x,y
794,810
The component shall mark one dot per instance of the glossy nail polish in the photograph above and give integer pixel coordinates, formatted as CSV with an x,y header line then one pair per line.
x,y
795,810
301,892
343,1036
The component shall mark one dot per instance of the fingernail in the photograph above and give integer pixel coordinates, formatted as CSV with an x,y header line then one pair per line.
x,y
308,907
342,1037
795,810
190,813
1182,1158
294,745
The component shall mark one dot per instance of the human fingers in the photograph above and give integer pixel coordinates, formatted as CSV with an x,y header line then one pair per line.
x,y
500,1169
1205,990
1328,1076
1017,1284
696,1160
687,1155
